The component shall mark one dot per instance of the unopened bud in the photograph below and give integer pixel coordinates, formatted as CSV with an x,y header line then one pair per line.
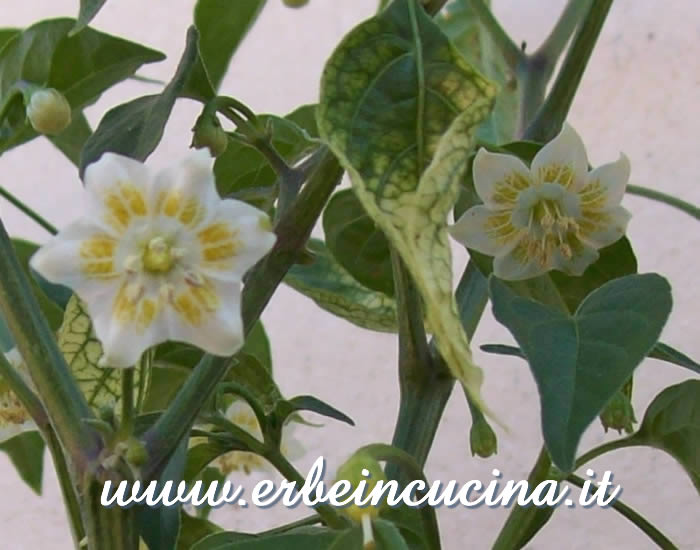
x,y
482,439
136,453
361,467
295,3
619,414
48,111
207,132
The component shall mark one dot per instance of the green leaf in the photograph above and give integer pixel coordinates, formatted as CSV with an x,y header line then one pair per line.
x,y
664,352
257,345
242,169
350,539
6,35
399,106
304,538
249,373
164,383
357,243
88,11
101,386
134,129
580,361
388,536
26,451
672,424
72,140
80,66
194,529
313,404
222,25
327,283
409,522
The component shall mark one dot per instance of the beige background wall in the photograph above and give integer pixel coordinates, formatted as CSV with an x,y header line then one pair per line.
x,y
639,95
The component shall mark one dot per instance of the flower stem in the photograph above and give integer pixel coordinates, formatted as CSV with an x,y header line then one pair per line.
x,y
661,540
61,397
670,200
127,419
293,230
553,112
22,207
605,448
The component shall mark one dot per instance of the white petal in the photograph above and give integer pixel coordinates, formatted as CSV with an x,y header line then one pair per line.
x,y
605,186
186,190
563,160
221,331
485,231
59,260
582,257
611,229
516,264
251,240
499,178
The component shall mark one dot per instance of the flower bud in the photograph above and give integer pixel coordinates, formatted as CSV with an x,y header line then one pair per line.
x,y
207,132
482,438
136,453
48,111
361,467
295,3
619,414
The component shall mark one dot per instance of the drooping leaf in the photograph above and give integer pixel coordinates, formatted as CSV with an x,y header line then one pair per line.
x,y
82,350
88,11
223,25
399,106
72,140
579,361
313,404
357,243
26,451
388,536
328,284
303,538
672,424
134,129
194,529
249,373
80,66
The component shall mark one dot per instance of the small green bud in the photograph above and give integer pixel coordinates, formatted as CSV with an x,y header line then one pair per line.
x,y
207,132
361,467
48,111
619,414
136,453
295,3
482,439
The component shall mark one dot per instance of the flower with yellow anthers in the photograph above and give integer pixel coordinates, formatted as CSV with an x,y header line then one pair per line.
x,y
158,257
553,215
14,418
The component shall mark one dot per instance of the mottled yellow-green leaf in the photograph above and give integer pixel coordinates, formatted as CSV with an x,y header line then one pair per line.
x,y
399,107
82,350
328,284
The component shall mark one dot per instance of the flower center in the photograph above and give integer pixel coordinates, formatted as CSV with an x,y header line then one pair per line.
x,y
158,256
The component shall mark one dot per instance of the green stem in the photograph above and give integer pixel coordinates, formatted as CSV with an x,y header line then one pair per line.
x,y
22,207
670,200
661,540
61,397
293,230
568,21
553,112
605,448
510,51
112,528
517,526
328,513
127,419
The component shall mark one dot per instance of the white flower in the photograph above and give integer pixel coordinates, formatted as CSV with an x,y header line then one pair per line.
x,y
554,215
242,415
14,418
49,112
158,258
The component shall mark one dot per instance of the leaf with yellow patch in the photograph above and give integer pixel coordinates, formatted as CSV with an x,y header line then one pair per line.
x,y
82,350
399,107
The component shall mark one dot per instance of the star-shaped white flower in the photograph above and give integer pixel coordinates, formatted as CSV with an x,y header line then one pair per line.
x,y
158,257
554,215
14,418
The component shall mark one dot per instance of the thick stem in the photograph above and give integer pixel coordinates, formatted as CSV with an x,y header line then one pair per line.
x,y
555,109
292,231
517,526
112,528
61,397
568,21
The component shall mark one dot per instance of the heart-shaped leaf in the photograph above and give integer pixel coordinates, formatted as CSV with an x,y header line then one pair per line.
x,y
399,106
335,290
580,361
672,424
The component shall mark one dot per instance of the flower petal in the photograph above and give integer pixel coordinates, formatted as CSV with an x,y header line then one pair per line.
x,y
216,327
186,191
605,186
486,231
235,239
116,188
563,160
81,257
602,229
518,263
499,178
582,255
